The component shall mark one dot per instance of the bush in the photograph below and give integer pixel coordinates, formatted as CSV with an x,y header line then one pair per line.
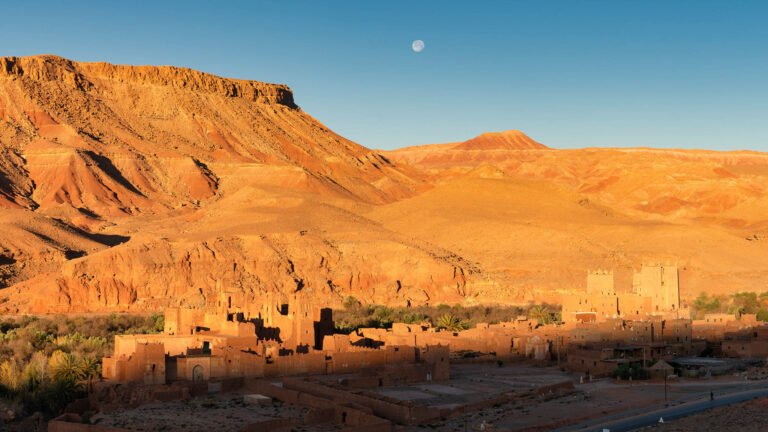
x,y
740,303
624,372
762,314
356,315
44,362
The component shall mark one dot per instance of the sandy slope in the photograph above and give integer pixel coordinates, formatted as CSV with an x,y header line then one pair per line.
x,y
536,219
131,188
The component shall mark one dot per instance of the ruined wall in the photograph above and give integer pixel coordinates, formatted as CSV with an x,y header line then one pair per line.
x,y
146,364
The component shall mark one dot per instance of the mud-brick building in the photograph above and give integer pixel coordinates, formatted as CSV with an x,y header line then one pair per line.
x,y
655,292
598,348
746,343
200,345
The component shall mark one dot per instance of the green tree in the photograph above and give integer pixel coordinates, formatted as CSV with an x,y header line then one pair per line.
x,y
66,367
744,303
450,322
704,304
541,313
762,314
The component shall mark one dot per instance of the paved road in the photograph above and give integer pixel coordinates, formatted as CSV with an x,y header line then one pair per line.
x,y
682,410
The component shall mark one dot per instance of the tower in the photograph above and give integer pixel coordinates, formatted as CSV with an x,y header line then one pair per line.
x,y
600,282
661,283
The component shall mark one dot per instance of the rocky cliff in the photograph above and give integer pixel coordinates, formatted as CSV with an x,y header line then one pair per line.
x,y
113,177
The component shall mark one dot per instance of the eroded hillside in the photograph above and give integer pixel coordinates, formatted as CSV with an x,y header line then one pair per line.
x,y
161,183
133,188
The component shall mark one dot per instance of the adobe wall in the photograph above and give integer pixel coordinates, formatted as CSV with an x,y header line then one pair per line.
x,y
588,361
400,354
353,420
346,362
634,306
381,407
600,282
73,423
146,364
125,345
603,306
182,321
288,395
661,283
271,425
302,364
438,357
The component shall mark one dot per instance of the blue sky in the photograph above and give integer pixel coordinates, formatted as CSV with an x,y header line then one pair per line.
x,y
684,74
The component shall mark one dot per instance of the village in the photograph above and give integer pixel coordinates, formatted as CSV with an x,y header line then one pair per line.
x,y
286,351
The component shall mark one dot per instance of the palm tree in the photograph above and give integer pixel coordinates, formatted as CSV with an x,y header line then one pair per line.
x,y
66,367
91,368
540,313
59,394
450,322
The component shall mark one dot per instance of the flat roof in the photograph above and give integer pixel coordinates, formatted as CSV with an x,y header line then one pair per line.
x,y
702,361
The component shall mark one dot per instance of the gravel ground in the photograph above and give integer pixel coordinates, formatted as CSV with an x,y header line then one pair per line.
x,y
750,416
214,413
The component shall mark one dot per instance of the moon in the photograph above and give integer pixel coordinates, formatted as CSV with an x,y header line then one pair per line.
x,y
417,45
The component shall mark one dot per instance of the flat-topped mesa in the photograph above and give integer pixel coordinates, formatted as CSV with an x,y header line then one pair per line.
x,y
506,140
81,76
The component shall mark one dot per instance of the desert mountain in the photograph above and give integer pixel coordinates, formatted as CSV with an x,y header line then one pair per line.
x,y
127,188
536,218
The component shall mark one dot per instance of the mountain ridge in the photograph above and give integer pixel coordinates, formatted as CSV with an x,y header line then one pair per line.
x,y
136,188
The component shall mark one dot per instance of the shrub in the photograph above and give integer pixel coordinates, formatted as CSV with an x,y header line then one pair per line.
x,y
635,372
762,314
356,315
45,361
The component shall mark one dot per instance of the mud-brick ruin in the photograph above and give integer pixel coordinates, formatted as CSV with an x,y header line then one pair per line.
x,y
234,339
237,337
285,348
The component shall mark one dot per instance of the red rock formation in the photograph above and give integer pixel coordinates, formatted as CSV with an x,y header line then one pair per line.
x,y
133,188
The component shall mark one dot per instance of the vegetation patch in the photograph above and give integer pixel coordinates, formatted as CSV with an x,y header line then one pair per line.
x,y
739,303
356,315
47,362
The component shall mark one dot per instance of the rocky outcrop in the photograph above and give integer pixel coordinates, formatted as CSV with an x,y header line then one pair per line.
x,y
80,76
506,140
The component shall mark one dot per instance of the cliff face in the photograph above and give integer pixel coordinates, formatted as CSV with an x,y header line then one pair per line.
x,y
122,156
142,127
78,76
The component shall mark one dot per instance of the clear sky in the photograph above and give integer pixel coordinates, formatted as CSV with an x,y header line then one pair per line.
x,y
687,74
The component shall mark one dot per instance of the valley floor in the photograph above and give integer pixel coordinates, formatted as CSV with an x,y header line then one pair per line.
x,y
521,406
